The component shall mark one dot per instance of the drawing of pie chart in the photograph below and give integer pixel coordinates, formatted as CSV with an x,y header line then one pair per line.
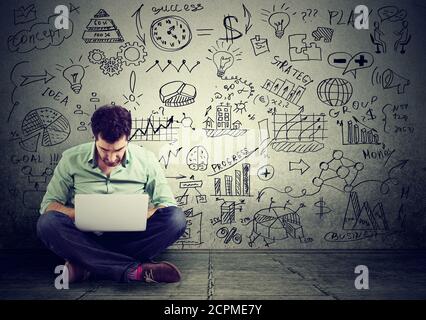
x,y
269,223
45,124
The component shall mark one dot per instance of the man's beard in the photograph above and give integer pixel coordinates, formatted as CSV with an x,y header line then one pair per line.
x,y
112,163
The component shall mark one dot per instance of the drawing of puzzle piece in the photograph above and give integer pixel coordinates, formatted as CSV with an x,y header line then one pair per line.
x,y
297,47
300,51
313,52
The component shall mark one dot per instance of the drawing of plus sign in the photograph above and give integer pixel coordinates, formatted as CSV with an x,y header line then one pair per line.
x,y
361,60
266,173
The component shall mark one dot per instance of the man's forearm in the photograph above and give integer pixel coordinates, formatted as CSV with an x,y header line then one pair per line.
x,y
56,206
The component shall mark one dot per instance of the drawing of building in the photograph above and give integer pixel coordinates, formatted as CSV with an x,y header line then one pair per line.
x,y
209,122
224,126
236,125
223,117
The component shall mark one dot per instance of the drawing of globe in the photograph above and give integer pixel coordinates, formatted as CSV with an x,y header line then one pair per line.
x,y
46,124
334,91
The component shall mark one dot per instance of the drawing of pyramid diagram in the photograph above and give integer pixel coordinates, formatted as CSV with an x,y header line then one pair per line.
x,y
357,218
102,30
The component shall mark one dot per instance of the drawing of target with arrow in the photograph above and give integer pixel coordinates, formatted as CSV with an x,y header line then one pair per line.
x,y
229,234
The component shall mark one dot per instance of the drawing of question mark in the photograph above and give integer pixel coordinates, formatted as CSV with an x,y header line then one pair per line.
x,y
310,11
303,16
162,110
316,11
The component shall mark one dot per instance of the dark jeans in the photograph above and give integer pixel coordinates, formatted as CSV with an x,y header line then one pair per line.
x,y
112,253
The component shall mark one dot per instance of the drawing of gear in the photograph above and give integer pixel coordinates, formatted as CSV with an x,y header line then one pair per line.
x,y
132,54
112,66
96,56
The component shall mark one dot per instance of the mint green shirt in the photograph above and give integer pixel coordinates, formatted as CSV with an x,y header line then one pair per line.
x,y
77,172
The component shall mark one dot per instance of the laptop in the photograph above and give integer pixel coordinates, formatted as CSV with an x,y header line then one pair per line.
x,y
111,212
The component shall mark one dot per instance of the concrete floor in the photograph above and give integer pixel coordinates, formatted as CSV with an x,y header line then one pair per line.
x,y
227,275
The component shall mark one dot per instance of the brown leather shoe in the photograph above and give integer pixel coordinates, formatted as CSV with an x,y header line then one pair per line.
x,y
76,273
160,272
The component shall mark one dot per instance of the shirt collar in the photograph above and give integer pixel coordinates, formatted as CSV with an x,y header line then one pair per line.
x,y
94,163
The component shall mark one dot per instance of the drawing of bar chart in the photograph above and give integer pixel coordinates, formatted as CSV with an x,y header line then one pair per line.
x,y
285,89
354,133
236,185
227,212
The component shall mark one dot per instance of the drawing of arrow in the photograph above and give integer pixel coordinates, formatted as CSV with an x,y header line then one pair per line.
x,y
166,159
400,165
356,120
301,165
248,15
34,78
140,35
180,176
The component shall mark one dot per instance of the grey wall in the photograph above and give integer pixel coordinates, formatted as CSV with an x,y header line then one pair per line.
x,y
310,139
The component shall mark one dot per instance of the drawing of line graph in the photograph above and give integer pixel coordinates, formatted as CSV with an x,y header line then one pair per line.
x,y
299,127
153,129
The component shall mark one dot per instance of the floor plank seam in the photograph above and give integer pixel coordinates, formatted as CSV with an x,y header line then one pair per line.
x,y
289,268
210,284
316,285
296,272
88,292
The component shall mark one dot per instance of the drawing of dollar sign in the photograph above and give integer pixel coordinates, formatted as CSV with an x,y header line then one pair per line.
x,y
230,31
323,209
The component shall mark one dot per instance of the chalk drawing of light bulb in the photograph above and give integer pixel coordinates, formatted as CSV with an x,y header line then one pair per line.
x,y
223,61
279,21
74,74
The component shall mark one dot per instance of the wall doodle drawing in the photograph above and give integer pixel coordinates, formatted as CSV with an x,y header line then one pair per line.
x,y
45,127
177,94
277,124
101,29
334,91
171,33
277,223
153,129
343,60
40,36
74,74
25,14
277,19
223,57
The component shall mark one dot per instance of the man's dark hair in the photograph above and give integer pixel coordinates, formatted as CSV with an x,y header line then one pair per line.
x,y
111,122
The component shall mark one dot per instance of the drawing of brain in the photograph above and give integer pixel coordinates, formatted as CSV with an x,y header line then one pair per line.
x,y
197,158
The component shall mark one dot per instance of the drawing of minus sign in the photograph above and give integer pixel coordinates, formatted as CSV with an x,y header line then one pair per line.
x,y
341,60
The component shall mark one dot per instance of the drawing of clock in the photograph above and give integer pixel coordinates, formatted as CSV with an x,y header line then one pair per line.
x,y
170,33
